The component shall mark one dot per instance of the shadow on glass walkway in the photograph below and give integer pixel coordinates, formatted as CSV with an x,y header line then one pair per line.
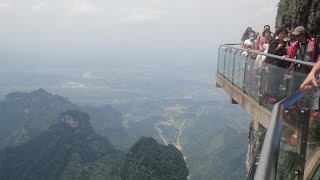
x,y
290,147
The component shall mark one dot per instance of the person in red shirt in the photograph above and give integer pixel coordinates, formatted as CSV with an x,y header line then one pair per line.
x,y
266,34
302,49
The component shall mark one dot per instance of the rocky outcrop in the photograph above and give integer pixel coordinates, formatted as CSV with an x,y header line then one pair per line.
x,y
147,159
299,12
255,141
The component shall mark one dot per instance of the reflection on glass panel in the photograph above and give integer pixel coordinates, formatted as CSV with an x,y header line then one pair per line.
x,y
221,59
291,137
274,84
316,175
232,64
299,144
250,79
238,69
313,134
229,64
226,62
295,82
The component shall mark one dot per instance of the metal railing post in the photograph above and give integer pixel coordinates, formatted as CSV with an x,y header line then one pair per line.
x,y
229,64
262,84
244,75
219,59
224,62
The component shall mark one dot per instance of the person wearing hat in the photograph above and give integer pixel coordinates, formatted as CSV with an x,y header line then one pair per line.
x,y
302,49
277,67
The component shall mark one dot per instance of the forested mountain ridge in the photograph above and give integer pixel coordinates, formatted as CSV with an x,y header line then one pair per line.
x,y
67,146
68,150
71,149
107,122
26,115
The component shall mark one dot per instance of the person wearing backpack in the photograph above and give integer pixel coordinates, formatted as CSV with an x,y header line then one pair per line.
x,y
302,49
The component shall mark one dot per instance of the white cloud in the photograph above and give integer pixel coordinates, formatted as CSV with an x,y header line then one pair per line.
x,y
79,8
4,5
142,15
269,7
41,7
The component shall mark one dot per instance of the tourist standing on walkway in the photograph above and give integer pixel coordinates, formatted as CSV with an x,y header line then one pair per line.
x,y
278,67
245,35
259,37
251,41
263,46
289,39
266,35
302,49
278,47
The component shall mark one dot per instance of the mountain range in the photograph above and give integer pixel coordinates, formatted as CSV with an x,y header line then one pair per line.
x,y
45,136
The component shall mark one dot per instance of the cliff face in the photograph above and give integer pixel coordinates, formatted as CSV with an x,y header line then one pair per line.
x,y
299,12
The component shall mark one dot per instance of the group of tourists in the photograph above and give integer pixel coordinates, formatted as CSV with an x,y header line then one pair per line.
x,y
273,78
296,43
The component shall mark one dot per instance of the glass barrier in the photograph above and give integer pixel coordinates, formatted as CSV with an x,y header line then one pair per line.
x,y
295,142
238,69
250,83
265,82
300,138
227,64
221,58
316,175
294,151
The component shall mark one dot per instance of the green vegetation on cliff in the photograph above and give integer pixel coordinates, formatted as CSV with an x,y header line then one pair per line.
x,y
68,150
299,12
26,115
148,160
66,146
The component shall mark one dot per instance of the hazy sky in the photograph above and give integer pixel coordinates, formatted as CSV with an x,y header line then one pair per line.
x,y
62,30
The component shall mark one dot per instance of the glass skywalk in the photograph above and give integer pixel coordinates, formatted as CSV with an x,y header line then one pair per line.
x,y
291,145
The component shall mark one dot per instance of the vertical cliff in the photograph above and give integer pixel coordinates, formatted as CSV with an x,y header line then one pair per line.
x,y
255,141
299,12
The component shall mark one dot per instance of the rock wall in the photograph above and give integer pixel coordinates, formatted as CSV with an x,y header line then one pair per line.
x,y
299,12
253,138
255,141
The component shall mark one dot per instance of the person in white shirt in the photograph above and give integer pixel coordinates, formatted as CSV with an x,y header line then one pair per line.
x,y
251,41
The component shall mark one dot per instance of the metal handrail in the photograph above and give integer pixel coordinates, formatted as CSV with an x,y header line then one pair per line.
x,y
268,159
269,55
266,169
